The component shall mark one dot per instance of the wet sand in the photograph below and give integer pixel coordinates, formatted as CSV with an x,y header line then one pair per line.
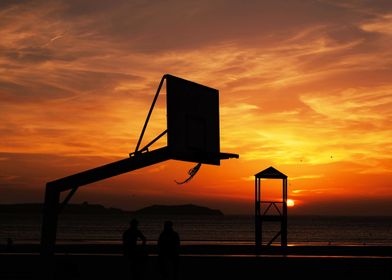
x,y
93,261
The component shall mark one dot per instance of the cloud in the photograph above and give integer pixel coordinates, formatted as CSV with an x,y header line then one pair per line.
x,y
301,192
368,105
249,178
58,58
382,24
308,89
305,177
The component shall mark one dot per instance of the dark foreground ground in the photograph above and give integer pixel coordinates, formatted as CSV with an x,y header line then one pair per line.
x,y
203,262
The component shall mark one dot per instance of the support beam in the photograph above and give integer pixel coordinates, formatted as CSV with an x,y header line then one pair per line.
x,y
258,229
284,216
65,201
274,238
54,188
73,182
49,221
110,170
149,113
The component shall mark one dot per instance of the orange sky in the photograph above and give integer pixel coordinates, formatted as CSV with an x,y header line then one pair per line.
x,y
305,86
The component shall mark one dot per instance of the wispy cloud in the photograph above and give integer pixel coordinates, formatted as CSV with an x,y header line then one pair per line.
x,y
382,24
303,177
305,89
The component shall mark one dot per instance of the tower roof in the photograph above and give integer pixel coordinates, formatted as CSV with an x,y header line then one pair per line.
x,y
271,173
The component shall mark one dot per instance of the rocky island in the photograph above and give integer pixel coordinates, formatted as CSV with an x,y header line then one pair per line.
x,y
187,209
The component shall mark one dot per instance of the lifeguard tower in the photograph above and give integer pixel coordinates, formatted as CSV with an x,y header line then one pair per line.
x,y
270,211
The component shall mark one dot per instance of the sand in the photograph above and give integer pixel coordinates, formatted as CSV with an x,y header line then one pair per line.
x,y
92,261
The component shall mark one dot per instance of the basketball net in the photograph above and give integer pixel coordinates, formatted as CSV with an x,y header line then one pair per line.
x,y
192,172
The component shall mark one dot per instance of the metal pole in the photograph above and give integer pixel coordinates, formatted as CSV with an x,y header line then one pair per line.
x,y
284,218
149,113
257,215
49,221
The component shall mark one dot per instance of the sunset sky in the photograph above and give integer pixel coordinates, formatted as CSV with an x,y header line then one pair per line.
x,y
305,86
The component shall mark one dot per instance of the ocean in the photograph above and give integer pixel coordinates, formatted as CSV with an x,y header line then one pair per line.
x,y
302,230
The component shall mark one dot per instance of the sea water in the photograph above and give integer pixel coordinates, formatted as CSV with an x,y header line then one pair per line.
x,y
305,230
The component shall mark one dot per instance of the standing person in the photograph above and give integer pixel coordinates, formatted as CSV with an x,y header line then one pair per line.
x,y
169,251
132,251
10,245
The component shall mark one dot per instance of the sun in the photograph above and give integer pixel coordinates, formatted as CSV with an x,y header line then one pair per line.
x,y
290,203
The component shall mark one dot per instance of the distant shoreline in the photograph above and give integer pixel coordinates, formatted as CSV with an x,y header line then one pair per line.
x,y
86,208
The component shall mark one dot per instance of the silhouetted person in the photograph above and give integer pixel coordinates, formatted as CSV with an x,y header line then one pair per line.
x,y
168,252
10,245
135,254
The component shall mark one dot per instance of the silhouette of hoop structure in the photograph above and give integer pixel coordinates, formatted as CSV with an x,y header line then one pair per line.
x,y
193,135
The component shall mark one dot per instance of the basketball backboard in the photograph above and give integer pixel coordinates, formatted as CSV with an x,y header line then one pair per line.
x,y
192,121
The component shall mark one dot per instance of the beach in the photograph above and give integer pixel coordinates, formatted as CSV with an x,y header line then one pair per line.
x,y
100,261
211,248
